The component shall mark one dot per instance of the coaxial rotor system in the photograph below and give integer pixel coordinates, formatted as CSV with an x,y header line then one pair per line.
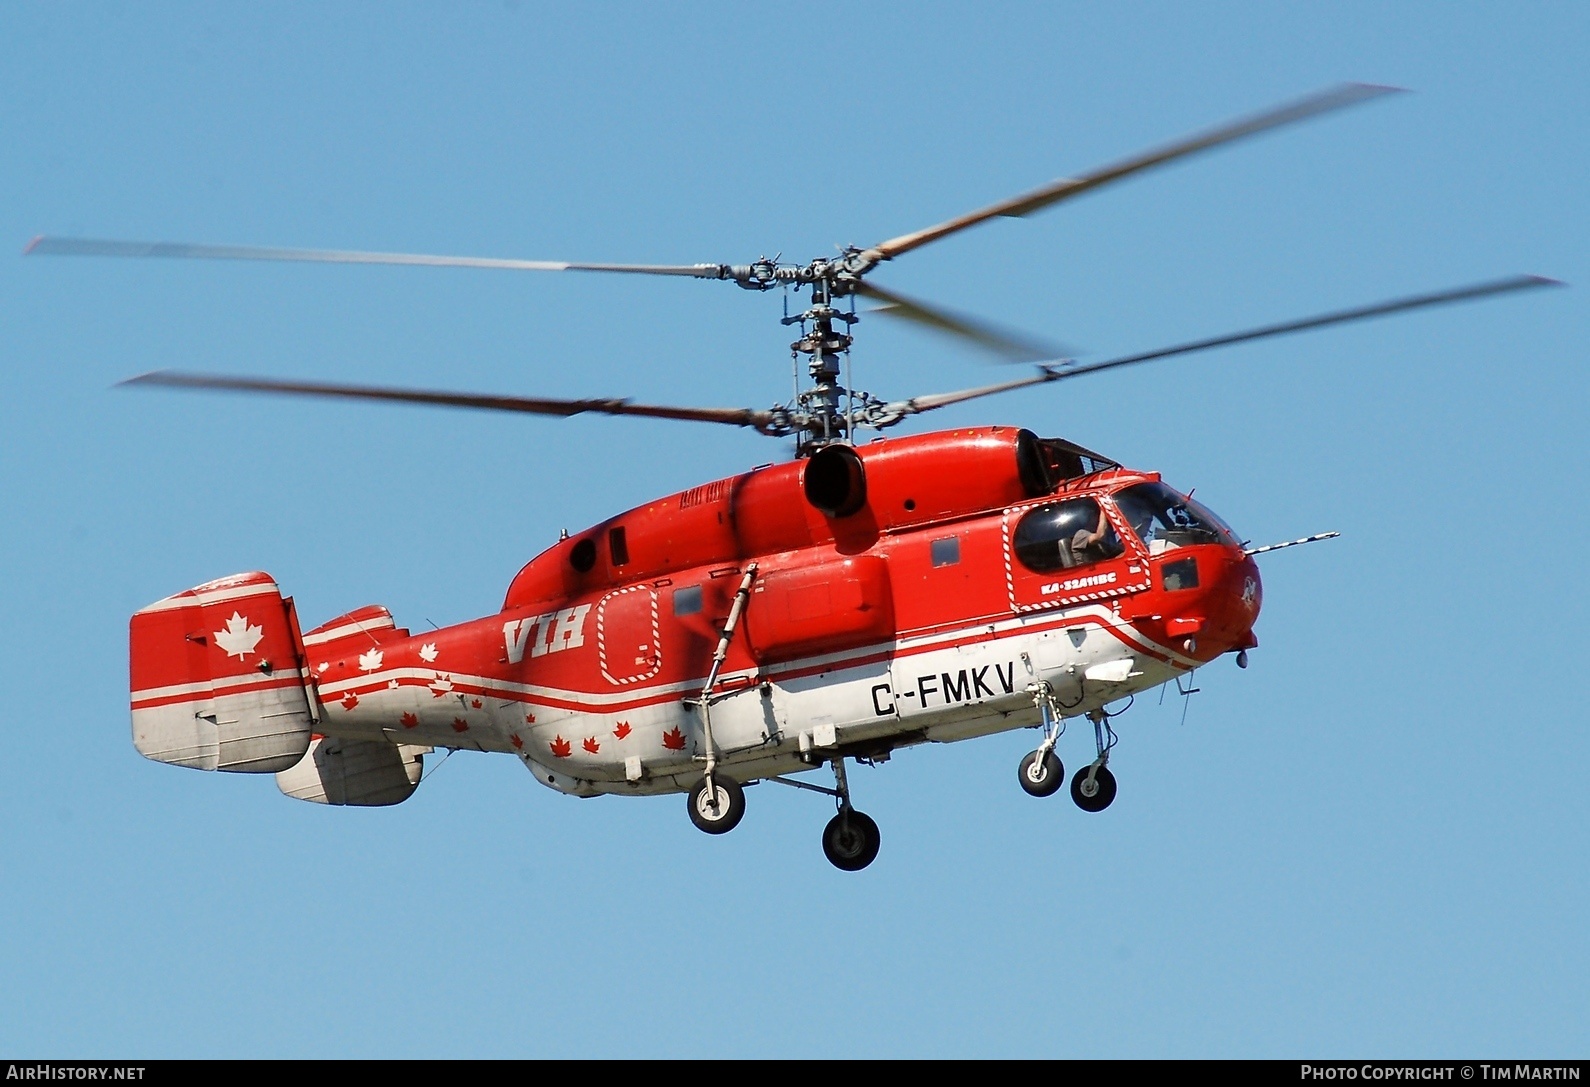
x,y
824,412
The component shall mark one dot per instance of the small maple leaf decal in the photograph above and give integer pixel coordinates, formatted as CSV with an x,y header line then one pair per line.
x,y
239,639
369,662
477,703
460,725
529,718
350,700
428,652
622,730
441,685
674,740
322,666
391,684
517,742
591,745
560,747
409,720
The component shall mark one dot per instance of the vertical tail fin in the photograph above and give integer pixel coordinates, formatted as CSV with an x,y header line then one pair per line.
x,y
218,679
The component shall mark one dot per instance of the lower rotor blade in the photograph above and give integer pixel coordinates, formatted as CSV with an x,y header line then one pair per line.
x,y
1360,313
531,405
1008,345
1066,368
101,247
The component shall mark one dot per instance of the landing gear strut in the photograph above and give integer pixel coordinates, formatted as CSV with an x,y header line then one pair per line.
x,y
717,803
1093,787
851,839
1041,772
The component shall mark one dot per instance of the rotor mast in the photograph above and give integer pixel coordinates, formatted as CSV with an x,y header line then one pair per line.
x,y
825,339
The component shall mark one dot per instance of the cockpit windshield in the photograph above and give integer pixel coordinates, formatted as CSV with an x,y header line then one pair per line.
x,y
1164,519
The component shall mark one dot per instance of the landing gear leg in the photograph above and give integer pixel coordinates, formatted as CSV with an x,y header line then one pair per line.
x,y
851,839
1093,787
717,802
1041,772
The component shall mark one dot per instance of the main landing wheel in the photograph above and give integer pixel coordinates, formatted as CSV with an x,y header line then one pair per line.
x,y
1041,776
720,813
1094,795
851,840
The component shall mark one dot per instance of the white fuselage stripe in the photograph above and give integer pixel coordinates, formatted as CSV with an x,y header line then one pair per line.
x,y
209,686
904,648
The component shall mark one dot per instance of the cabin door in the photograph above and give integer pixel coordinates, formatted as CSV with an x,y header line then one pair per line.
x,y
1061,552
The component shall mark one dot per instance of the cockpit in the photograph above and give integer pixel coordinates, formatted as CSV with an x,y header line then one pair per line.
x,y
1164,519
1071,532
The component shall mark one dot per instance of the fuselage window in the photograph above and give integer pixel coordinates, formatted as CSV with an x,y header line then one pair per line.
x,y
1060,535
687,600
946,552
618,546
1181,574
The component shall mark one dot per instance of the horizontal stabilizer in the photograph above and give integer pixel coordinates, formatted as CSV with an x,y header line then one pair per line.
x,y
359,773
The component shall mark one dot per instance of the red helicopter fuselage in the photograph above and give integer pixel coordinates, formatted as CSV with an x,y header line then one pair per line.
x,y
909,590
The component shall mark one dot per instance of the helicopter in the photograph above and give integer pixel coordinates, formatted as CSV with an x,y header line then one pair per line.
x,y
860,598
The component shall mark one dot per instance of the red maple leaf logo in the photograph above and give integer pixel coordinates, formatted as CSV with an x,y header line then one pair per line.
x,y
560,747
674,740
529,718
622,730
517,742
460,725
350,700
409,720
591,745
475,702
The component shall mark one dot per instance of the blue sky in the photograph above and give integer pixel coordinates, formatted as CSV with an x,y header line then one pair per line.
x,y
1371,842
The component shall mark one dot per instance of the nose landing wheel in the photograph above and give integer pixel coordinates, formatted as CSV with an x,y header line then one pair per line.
x,y
1041,773
1093,787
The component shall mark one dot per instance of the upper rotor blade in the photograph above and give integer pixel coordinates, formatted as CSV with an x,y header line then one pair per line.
x,y
533,405
100,247
1321,102
1008,345
1067,368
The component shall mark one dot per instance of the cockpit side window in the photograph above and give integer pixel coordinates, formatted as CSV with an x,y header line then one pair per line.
x,y
1164,519
1061,535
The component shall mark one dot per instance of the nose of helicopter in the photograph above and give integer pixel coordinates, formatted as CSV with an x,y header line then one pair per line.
x,y
1211,601
1232,605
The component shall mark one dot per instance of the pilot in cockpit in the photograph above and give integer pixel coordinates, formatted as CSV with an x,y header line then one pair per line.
x,y
1085,542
